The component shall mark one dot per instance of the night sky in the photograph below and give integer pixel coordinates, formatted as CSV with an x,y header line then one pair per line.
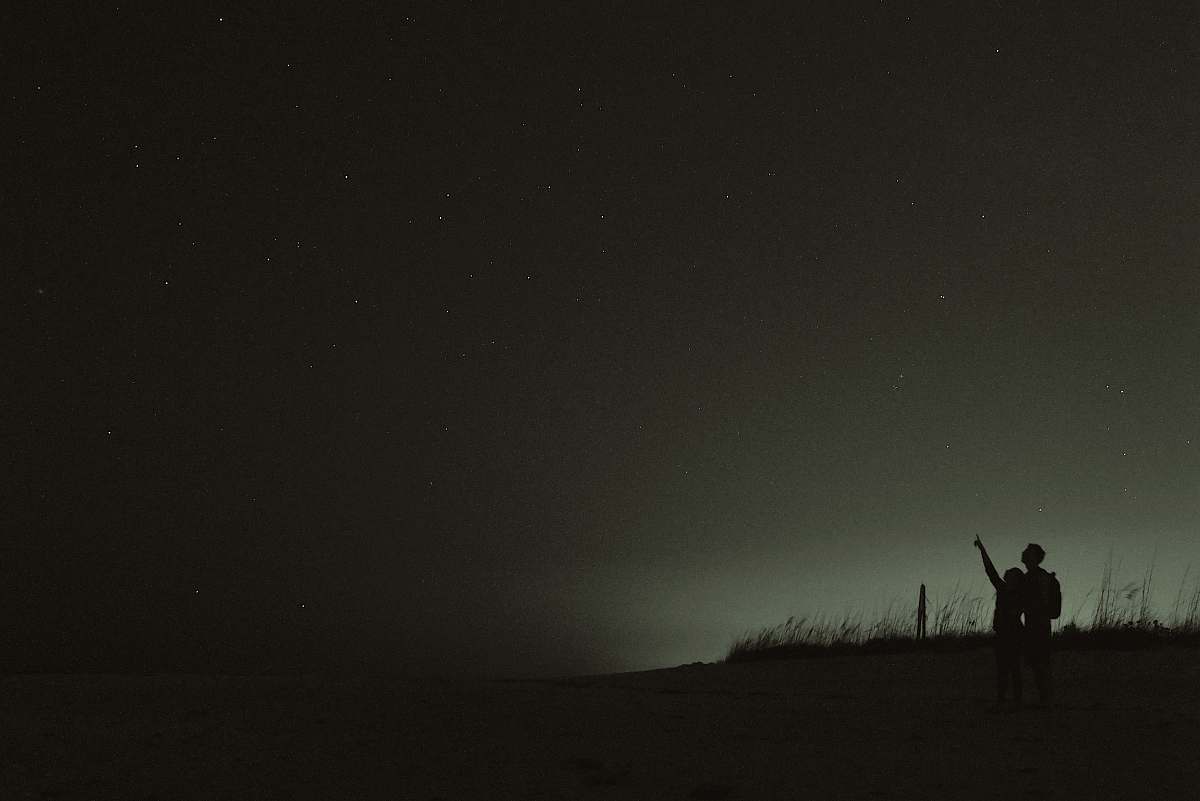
x,y
450,338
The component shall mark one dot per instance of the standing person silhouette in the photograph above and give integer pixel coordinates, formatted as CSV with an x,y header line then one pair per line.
x,y
1039,589
1006,622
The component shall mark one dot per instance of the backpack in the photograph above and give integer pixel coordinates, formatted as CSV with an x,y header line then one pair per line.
x,y
1052,595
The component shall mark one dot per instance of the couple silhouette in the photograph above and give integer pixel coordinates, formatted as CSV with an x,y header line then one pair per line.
x,y
1026,602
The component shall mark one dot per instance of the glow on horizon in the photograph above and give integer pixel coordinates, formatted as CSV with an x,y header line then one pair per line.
x,y
698,611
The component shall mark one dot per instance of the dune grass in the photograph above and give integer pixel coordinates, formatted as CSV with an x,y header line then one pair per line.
x,y
1121,617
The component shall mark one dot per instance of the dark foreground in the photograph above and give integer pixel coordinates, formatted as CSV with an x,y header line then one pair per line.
x,y
857,727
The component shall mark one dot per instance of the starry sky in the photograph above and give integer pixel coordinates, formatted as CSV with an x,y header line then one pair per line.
x,y
511,339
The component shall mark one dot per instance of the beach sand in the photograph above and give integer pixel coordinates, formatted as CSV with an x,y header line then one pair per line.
x,y
905,726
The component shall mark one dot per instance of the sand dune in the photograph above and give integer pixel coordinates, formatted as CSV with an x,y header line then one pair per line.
x,y
910,726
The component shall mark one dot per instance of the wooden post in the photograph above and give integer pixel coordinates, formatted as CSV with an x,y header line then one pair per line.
x,y
921,614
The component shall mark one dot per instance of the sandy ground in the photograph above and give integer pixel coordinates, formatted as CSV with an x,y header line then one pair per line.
x,y
910,726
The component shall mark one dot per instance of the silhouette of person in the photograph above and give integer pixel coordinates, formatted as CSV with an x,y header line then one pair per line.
x,y
1036,606
1006,622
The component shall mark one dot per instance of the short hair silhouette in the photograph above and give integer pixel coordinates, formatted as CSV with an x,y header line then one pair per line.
x,y
1034,552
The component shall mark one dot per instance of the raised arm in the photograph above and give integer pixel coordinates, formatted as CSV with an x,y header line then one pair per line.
x,y
992,575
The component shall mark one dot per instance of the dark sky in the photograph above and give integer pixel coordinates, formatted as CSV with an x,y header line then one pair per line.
x,y
446,337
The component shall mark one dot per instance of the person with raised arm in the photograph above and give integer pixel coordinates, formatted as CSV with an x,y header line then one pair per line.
x,y
1006,623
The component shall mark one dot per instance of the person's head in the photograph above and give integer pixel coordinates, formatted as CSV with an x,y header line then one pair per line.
x,y
1013,576
1033,555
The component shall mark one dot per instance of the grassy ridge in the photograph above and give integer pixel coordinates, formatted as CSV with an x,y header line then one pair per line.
x,y
1122,617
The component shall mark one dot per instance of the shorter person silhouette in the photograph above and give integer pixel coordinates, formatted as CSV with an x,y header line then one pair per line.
x,y
1006,622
